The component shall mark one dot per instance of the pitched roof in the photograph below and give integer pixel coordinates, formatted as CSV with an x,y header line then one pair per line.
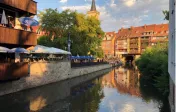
x,y
146,30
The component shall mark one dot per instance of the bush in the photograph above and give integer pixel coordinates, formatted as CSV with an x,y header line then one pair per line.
x,y
153,65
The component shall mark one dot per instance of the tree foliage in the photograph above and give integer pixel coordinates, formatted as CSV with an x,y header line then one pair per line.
x,y
86,33
153,65
166,14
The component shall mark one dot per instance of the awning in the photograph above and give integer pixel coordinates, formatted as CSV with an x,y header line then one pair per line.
x,y
4,50
19,50
48,50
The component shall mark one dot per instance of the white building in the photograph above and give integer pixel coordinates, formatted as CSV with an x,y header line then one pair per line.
x,y
172,53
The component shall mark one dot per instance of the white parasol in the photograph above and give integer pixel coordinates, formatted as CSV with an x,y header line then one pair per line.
x,y
3,19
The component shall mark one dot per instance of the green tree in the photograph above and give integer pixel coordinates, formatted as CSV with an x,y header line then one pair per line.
x,y
86,33
166,14
153,65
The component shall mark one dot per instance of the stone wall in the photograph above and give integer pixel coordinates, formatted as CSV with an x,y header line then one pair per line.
x,y
42,73
79,71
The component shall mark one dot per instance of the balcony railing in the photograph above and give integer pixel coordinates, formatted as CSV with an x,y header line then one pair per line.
x,y
144,46
133,41
11,71
121,47
134,52
25,5
134,46
17,37
145,40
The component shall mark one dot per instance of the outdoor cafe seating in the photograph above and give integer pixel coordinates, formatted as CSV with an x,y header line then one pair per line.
x,y
39,53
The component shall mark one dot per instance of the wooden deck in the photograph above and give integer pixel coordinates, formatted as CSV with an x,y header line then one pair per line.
x,y
17,37
10,71
24,5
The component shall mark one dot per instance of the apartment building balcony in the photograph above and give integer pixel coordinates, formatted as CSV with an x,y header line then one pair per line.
x,y
133,52
23,5
17,37
144,40
122,43
144,46
133,41
133,46
121,48
13,70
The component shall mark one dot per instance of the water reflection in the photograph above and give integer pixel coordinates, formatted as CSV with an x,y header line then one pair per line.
x,y
37,104
127,81
117,90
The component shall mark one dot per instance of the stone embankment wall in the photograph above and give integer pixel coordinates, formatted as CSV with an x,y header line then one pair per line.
x,y
42,73
79,71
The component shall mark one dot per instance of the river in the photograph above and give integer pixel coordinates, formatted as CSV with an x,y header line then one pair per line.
x,y
111,90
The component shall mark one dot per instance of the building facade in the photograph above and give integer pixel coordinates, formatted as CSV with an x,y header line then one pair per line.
x,y
13,35
40,33
121,42
172,53
108,44
93,11
134,40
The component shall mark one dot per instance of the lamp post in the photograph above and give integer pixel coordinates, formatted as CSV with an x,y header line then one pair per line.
x,y
69,44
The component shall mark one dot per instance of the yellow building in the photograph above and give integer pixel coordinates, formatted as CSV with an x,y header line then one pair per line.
x,y
93,12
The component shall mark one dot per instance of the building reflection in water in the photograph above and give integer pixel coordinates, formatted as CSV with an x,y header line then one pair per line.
x,y
126,81
37,104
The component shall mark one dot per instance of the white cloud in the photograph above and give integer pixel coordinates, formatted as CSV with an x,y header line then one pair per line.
x,y
113,4
125,13
129,3
82,9
63,1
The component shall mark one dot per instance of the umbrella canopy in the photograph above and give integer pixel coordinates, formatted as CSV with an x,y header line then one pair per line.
x,y
82,57
28,21
58,51
19,50
4,19
48,50
41,49
4,50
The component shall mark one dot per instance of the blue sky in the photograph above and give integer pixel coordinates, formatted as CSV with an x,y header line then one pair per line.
x,y
115,14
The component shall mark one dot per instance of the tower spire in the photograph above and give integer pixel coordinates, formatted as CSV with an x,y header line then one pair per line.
x,y
93,7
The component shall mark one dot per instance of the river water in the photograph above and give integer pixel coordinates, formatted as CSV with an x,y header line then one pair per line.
x,y
111,90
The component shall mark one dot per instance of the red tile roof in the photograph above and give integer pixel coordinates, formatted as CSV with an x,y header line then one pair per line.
x,y
111,34
151,30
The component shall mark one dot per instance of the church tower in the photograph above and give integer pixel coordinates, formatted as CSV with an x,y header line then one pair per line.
x,y
93,12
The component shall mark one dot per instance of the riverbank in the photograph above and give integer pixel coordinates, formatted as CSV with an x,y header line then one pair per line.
x,y
153,66
42,73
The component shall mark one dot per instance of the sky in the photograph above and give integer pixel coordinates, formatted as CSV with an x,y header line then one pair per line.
x,y
115,14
